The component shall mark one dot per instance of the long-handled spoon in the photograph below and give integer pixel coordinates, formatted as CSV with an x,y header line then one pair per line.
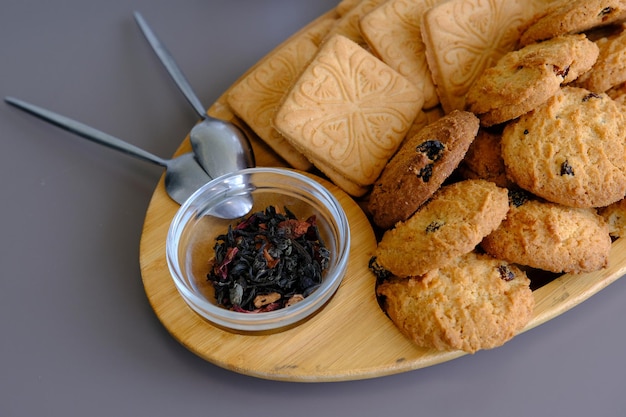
x,y
220,146
183,175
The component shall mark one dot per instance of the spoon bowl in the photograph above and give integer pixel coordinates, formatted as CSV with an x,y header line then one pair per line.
x,y
220,146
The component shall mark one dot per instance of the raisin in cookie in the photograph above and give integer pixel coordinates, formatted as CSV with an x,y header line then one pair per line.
x,y
420,166
451,224
522,80
475,302
570,150
573,16
551,237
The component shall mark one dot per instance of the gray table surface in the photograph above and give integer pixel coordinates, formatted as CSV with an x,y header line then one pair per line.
x,y
77,334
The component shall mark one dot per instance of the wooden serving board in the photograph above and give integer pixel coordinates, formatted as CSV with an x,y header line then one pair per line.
x,y
350,338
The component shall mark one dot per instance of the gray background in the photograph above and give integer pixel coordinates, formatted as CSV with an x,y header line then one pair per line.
x,y
77,335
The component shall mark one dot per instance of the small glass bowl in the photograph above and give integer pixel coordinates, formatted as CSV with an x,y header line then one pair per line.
x,y
192,233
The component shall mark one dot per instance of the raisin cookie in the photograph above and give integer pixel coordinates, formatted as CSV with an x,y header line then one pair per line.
x,y
551,237
615,217
570,150
573,16
522,80
420,166
475,302
610,68
451,224
483,159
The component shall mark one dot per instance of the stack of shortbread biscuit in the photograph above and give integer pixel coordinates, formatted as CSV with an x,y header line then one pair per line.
x,y
484,139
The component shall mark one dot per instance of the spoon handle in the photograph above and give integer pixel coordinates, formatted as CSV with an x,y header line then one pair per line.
x,y
85,131
170,65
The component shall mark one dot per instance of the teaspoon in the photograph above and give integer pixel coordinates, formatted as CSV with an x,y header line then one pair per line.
x,y
220,146
183,174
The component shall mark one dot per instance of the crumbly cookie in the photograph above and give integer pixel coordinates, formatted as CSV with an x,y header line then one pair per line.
x,y
570,150
618,93
524,79
451,224
551,237
573,16
615,217
610,68
420,166
483,159
475,302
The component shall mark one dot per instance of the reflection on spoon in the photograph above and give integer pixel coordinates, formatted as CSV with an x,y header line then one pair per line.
x,y
220,146
233,197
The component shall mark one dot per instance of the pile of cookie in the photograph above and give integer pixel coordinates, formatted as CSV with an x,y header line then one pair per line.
x,y
485,140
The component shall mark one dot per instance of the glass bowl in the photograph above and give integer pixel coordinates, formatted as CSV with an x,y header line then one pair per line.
x,y
192,236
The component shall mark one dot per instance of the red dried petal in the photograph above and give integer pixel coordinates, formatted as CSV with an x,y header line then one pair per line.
x,y
294,228
246,222
222,269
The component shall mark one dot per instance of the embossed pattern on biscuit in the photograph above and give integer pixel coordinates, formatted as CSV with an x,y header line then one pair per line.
x,y
393,32
255,97
464,37
344,6
348,23
349,109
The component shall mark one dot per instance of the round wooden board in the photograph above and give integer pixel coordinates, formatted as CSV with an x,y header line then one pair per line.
x,y
350,338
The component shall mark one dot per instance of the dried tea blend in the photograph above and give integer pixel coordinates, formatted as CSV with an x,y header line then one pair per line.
x,y
268,261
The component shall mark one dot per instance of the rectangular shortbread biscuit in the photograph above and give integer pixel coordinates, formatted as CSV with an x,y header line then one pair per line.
x,y
349,110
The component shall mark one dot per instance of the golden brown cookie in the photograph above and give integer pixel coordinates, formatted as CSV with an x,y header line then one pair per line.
x,y
615,217
451,224
483,159
523,79
570,150
475,302
610,68
551,237
420,166
348,110
573,16
618,93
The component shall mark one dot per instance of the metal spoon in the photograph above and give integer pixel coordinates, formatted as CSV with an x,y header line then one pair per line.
x,y
220,146
183,176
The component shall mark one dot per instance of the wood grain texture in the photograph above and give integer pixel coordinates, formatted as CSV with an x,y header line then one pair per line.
x,y
350,338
